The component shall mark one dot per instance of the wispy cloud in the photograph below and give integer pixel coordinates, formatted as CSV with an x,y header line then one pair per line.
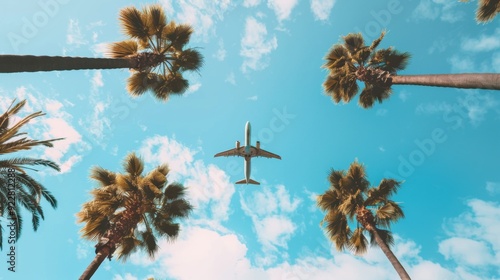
x,y
473,238
438,9
221,52
322,8
231,78
282,8
271,216
74,36
493,187
203,15
483,43
251,3
255,46
253,98
96,123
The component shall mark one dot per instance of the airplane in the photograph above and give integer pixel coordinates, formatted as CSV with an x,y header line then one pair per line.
x,y
248,151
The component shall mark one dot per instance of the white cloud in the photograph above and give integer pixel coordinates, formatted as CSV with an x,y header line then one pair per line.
x,y
231,78
253,98
461,64
127,276
322,8
255,46
194,87
482,44
271,216
202,15
251,3
473,238
97,80
221,52
96,123
433,108
465,251
403,95
74,36
282,8
477,105
82,251
493,187
437,9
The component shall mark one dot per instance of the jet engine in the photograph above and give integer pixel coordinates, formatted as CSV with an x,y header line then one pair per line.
x,y
237,144
257,145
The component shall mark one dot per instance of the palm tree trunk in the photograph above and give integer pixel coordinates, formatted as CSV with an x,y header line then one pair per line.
x,y
390,255
30,63
476,80
94,265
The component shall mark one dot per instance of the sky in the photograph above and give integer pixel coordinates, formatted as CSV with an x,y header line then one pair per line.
x,y
263,64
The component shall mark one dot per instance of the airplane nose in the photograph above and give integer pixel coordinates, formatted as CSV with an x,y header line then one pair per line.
x,y
247,124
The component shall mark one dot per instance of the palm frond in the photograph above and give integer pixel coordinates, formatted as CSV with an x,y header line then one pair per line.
x,y
189,59
128,246
353,42
157,19
180,36
336,57
386,188
167,229
332,87
174,191
133,165
133,23
139,82
385,235
149,242
377,41
390,211
358,241
121,49
103,176
338,230
177,208
487,10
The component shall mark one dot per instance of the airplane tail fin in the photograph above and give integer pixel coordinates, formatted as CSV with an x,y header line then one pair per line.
x,y
250,181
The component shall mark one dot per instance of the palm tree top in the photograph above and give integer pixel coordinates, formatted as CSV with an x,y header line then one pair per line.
x,y
158,46
350,198
352,60
132,198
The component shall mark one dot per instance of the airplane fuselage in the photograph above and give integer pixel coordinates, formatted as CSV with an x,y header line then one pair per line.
x,y
248,157
247,152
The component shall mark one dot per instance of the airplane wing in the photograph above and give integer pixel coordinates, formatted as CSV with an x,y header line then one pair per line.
x,y
233,152
262,153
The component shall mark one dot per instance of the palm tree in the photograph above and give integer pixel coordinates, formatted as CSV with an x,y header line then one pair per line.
x,y
155,53
17,188
486,10
350,196
129,211
353,60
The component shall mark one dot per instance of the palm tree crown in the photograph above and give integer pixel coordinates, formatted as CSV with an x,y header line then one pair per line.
x,y
158,47
353,61
28,191
130,211
350,197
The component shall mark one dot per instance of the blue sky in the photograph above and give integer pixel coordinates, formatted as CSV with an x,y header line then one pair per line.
x,y
262,64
